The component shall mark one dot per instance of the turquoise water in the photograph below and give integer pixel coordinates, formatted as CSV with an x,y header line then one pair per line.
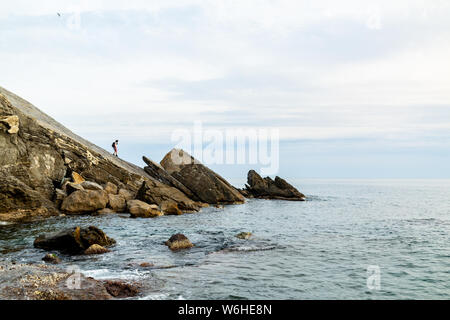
x,y
318,249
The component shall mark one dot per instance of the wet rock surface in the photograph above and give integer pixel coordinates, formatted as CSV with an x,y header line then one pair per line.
x,y
178,241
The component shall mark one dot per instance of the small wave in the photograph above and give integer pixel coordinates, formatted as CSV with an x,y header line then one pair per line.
x,y
103,274
155,296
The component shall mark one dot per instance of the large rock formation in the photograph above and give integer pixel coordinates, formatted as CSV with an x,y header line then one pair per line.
x,y
38,154
157,171
266,188
204,183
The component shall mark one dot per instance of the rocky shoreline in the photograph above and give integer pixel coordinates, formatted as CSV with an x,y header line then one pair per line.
x,y
46,170
46,282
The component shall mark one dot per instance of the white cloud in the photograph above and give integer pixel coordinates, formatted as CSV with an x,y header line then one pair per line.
x,y
324,64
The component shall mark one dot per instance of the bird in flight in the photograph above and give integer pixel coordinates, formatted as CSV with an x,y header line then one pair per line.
x,y
59,14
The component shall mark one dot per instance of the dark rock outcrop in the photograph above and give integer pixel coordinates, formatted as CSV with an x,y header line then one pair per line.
x,y
204,183
73,241
244,235
266,188
178,241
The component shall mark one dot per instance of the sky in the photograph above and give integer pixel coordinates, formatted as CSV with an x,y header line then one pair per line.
x,y
356,89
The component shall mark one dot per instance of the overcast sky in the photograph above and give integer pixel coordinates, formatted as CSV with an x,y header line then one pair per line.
x,y
356,88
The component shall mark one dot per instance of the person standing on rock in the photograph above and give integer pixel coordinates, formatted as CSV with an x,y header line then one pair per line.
x,y
114,145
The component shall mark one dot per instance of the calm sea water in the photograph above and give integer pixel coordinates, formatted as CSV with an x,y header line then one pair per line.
x,y
318,249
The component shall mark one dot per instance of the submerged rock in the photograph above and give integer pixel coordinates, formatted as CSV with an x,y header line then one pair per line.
x,y
266,188
51,258
59,196
85,201
74,240
178,241
204,183
140,209
244,235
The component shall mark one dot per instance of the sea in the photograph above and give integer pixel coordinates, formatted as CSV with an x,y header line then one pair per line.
x,y
351,239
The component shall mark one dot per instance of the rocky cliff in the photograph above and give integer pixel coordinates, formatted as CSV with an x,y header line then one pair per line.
x,y
38,154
